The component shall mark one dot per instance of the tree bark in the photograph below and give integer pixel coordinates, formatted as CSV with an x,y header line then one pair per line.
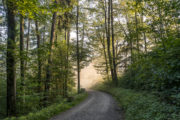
x,y
108,40
44,35
161,26
105,56
10,59
82,43
22,57
106,33
144,34
67,64
22,52
48,69
78,60
27,42
115,80
137,29
130,40
39,56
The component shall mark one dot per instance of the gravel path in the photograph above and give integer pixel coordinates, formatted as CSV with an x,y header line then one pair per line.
x,y
98,106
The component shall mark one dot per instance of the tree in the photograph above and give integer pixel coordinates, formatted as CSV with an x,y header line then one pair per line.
x,y
48,71
106,34
113,48
10,58
39,55
22,54
78,59
109,38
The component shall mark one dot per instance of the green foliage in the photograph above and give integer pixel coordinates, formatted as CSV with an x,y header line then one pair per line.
x,y
49,112
142,105
40,10
157,71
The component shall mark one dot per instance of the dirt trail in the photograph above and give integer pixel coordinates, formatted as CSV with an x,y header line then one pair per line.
x,y
98,106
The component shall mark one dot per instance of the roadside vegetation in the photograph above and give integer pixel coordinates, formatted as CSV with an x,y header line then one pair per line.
x,y
138,105
61,105
149,88
157,72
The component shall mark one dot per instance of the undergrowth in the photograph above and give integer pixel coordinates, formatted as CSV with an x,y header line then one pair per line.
x,y
52,110
142,105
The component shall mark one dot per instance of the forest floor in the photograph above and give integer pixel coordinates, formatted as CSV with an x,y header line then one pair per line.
x,y
98,106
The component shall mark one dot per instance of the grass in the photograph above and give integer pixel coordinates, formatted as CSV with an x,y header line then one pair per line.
x,y
49,112
142,105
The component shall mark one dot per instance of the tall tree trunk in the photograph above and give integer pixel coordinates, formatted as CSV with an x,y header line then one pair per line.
x,y
27,42
105,17
10,59
116,55
145,42
39,56
56,38
78,60
67,64
108,40
106,33
137,29
44,34
65,67
144,34
82,42
125,64
22,56
48,69
105,56
130,40
113,48
131,47
177,24
161,26
27,47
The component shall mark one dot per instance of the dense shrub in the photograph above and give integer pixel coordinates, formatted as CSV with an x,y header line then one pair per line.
x,y
157,71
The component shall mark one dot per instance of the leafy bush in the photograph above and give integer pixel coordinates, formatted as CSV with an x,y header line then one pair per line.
x,y
158,71
52,110
142,105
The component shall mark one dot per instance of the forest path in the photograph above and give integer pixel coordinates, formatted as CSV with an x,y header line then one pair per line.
x,y
98,106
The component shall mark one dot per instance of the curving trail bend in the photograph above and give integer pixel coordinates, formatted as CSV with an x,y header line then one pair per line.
x,y
98,106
